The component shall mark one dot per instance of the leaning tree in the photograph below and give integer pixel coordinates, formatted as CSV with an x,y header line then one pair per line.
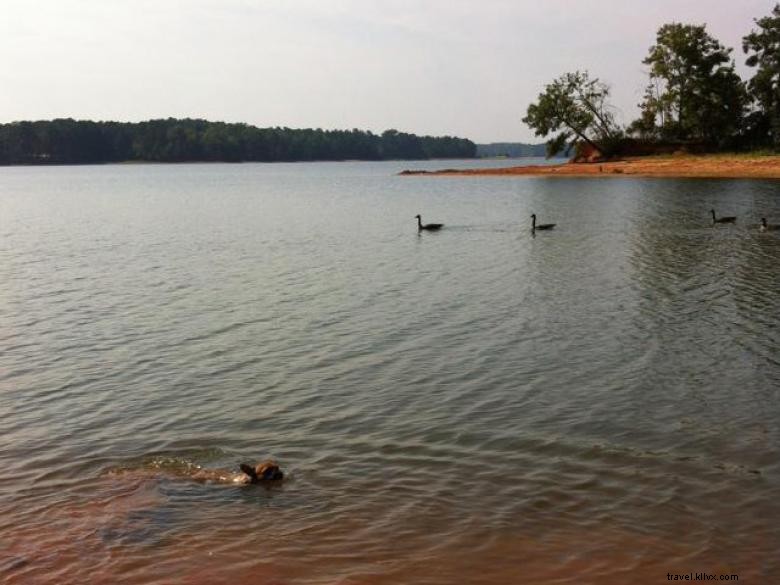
x,y
575,108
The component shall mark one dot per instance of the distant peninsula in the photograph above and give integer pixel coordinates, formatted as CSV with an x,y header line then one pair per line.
x,y
171,140
715,166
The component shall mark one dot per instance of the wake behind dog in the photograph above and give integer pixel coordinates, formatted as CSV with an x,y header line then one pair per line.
x,y
265,472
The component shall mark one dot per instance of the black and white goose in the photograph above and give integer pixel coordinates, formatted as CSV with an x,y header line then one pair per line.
x,y
431,227
721,219
541,226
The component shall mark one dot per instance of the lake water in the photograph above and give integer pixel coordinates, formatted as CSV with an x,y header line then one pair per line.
x,y
595,404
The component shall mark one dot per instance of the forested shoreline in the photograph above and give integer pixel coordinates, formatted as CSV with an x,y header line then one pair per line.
x,y
694,100
68,141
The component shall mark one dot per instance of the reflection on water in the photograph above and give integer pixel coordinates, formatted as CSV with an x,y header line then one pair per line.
x,y
596,404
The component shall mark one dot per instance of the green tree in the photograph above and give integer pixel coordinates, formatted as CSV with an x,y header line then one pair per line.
x,y
764,48
655,112
575,108
401,145
694,92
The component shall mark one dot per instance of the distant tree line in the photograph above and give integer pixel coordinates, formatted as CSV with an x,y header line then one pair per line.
x,y
694,97
67,141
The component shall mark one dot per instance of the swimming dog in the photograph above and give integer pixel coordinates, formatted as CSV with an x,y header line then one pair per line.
x,y
266,471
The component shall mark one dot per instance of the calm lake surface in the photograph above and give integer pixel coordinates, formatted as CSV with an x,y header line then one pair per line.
x,y
596,404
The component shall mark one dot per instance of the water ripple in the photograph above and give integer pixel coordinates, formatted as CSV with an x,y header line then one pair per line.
x,y
593,405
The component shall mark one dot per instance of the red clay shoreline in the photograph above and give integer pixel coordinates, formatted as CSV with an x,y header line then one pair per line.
x,y
674,166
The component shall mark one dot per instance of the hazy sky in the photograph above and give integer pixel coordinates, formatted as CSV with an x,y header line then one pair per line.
x,y
462,67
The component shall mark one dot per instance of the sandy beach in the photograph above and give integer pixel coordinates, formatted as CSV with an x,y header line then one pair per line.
x,y
694,166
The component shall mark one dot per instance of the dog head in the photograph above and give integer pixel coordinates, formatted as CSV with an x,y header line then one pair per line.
x,y
265,471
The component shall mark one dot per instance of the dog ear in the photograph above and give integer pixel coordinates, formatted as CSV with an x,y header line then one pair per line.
x,y
249,470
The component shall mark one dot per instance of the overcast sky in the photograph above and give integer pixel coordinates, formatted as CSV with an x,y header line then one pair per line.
x,y
461,67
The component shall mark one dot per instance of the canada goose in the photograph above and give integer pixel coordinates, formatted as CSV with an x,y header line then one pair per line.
x,y
427,226
541,226
721,219
765,227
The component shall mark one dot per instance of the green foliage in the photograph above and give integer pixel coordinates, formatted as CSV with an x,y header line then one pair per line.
x,y
575,108
66,141
398,145
694,92
763,46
